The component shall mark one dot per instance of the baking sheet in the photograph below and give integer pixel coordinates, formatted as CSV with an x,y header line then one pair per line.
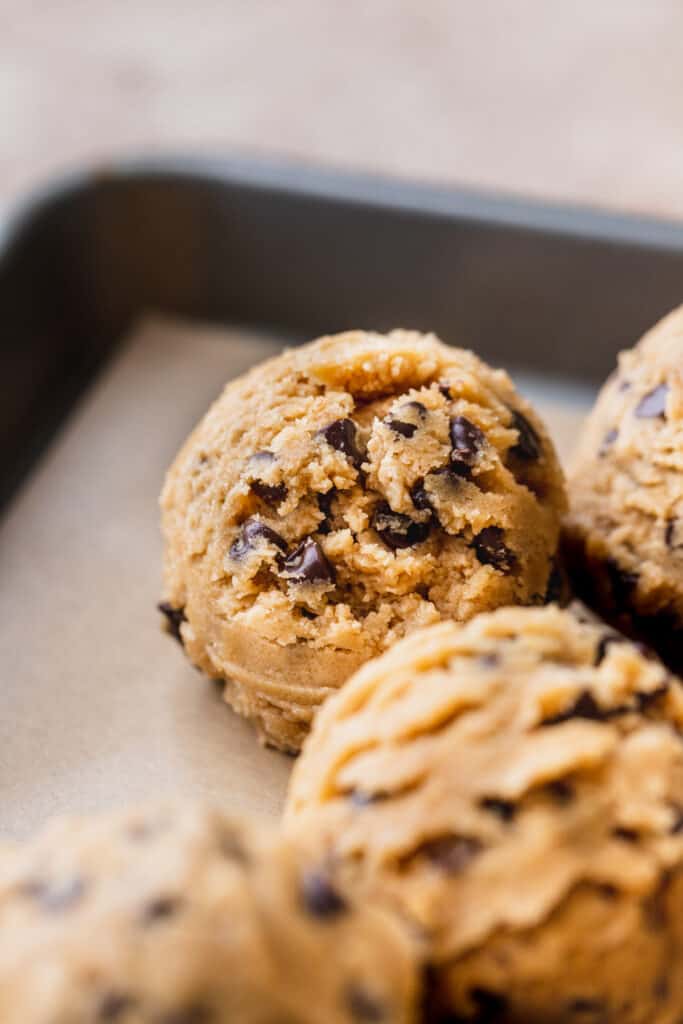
x,y
99,707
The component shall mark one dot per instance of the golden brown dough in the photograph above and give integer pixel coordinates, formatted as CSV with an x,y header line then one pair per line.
x,y
341,495
515,787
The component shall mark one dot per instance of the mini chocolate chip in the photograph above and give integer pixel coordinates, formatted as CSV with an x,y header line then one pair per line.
x,y
491,1006
319,896
561,791
607,441
56,896
307,564
653,404
624,385
401,428
528,445
113,1005
251,532
420,498
628,835
451,853
466,441
325,505
555,588
196,1014
397,530
669,532
503,809
272,494
174,619
341,434
646,700
585,706
489,659
445,391
490,549
362,1006
621,581
583,1005
160,909
603,643
308,614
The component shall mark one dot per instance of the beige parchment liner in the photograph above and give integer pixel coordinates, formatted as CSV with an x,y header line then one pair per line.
x,y
97,706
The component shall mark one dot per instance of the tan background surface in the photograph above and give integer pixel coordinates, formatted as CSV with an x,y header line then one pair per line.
x,y
580,100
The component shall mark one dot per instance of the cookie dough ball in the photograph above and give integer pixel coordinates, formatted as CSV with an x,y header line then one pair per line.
x,y
339,496
624,534
515,786
188,917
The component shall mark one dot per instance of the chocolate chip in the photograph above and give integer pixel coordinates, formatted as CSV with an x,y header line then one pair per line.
x,y
621,581
113,1005
490,549
362,1006
646,700
325,505
320,898
628,835
561,791
272,494
56,896
528,445
491,1006
445,391
397,530
253,530
607,441
195,1014
400,426
420,498
174,619
466,441
653,404
361,798
307,564
624,385
503,809
556,586
341,434
603,643
669,532
489,659
160,909
451,853
585,706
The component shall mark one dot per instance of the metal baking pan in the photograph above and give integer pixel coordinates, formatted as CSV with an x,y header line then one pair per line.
x,y
98,706
555,289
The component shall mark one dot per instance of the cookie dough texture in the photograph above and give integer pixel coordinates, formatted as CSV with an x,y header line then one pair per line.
x,y
188,917
515,787
624,534
341,495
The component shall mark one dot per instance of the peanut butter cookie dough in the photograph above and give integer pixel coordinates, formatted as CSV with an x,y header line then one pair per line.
x,y
337,497
515,786
624,534
188,917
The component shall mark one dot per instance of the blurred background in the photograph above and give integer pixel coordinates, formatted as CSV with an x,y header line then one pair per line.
x,y
578,101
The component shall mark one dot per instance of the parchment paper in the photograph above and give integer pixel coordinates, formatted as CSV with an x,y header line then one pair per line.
x,y
98,707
